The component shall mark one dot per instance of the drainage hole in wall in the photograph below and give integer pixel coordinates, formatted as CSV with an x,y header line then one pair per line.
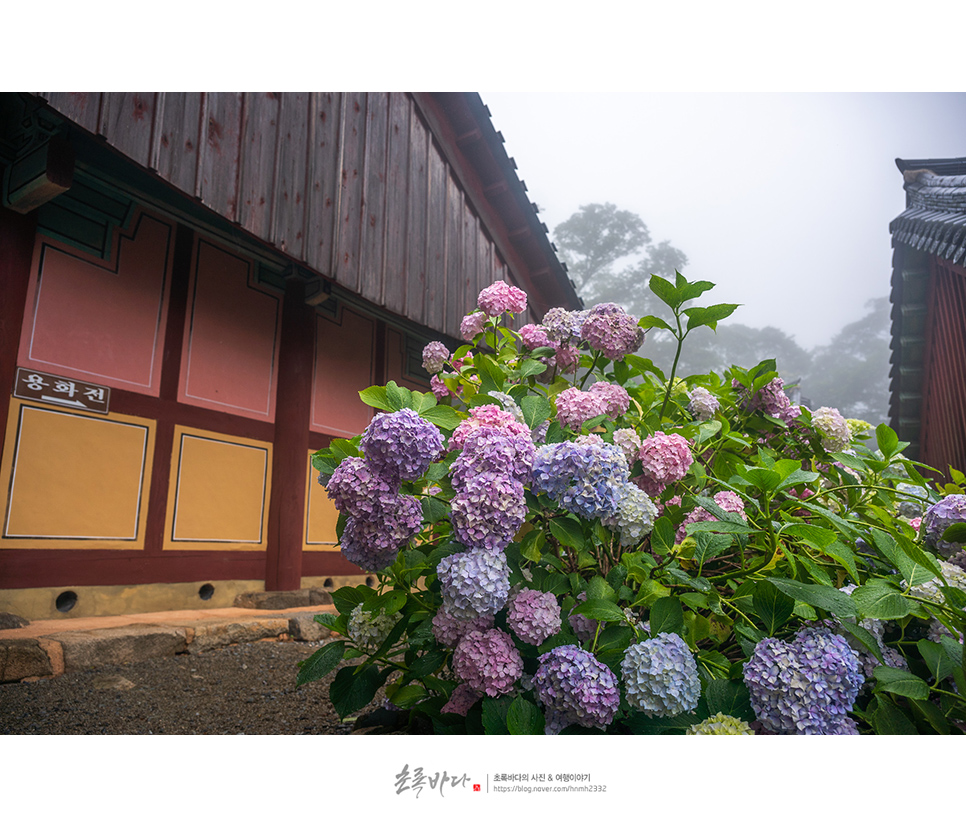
x,y
206,591
328,583
370,581
66,601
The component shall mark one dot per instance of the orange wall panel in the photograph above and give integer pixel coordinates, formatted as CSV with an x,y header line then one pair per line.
x,y
101,322
321,515
230,357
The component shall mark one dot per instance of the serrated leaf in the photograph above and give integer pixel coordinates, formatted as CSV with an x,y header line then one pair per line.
x,y
819,596
708,546
444,416
407,696
426,664
648,322
955,533
319,664
433,509
666,616
600,609
900,682
709,316
567,531
864,636
495,711
887,440
818,537
535,410
530,367
889,720
937,660
772,606
666,291
662,536
598,588
348,597
729,697
881,601
375,396
524,718
354,688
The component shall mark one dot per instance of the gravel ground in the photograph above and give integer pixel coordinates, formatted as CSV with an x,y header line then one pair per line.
x,y
246,688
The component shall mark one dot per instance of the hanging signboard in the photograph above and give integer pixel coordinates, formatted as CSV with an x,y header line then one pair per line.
x,y
59,390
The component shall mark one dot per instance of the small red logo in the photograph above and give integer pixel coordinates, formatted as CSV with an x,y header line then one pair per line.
x,y
476,787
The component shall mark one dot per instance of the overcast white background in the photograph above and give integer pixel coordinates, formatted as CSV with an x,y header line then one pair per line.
x,y
782,200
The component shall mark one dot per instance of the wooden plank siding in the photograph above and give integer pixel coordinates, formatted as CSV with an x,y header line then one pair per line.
x,y
362,188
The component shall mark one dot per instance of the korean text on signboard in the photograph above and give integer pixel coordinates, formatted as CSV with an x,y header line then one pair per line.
x,y
59,390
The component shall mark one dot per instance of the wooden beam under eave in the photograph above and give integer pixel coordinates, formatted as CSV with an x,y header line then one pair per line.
x,y
39,176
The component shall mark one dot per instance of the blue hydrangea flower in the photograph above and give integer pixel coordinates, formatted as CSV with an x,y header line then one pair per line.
x,y
575,688
661,676
474,583
488,511
400,445
586,479
805,687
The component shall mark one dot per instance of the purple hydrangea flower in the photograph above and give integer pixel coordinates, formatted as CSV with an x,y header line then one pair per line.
x,y
832,428
462,699
500,298
435,356
400,445
373,541
609,329
448,629
575,688
805,687
564,326
534,616
665,459
635,515
490,449
356,490
703,404
488,662
585,479
945,512
661,676
770,398
474,583
472,326
488,510
566,358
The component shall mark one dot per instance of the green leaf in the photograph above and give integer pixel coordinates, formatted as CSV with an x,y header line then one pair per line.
x,y
495,711
523,718
567,531
433,509
940,665
443,416
887,440
900,682
772,606
326,619
600,609
530,367
354,687
348,597
598,588
708,546
318,665
933,715
709,316
820,596
375,396
766,480
889,720
881,601
407,696
666,291
662,536
691,289
818,537
729,697
667,616
427,664
955,533
398,397
535,410
719,527
648,322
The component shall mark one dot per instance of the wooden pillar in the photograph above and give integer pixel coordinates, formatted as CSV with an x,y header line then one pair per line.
x,y
286,515
16,251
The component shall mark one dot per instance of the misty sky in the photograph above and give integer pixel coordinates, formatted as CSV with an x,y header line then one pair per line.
x,y
782,200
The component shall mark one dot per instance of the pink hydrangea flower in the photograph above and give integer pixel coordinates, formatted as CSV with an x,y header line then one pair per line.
x,y
472,325
574,407
534,336
615,399
609,329
665,458
500,298
462,699
727,500
566,357
488,662
487,415
435,355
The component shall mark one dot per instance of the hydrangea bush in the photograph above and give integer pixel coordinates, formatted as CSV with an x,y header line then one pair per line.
x,y
567,539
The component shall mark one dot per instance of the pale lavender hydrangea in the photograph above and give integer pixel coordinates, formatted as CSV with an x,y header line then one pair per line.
x,y
373,541
575,407
435,356
500,298
945,512
609,329
575,688
400,445
509,405
628,442
585,479
805,687
488,510
661,676
832,429
490,449
356,490
461,700
720,724
635,516
474,583
368,629
448,629
488,662
665,458
439,389
727,500
615,399
564,326
533,616
703,404
472,326
535,336
486,415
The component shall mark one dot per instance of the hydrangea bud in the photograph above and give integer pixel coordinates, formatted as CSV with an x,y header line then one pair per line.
x,y
368,629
